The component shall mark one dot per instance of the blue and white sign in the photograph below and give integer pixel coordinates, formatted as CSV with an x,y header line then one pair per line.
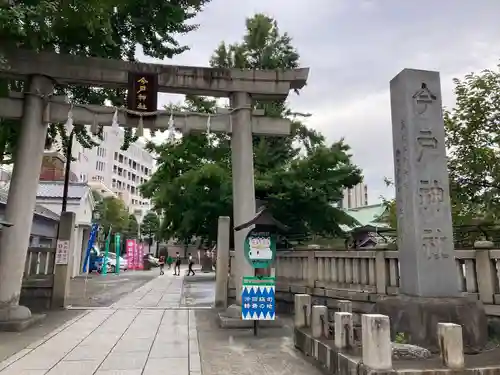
x,y
257,298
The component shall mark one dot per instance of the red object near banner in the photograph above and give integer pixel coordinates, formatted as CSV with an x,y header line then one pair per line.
x,y
140,253
130,245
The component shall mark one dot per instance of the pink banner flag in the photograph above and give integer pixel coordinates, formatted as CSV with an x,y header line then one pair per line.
x,y
130,244
140,254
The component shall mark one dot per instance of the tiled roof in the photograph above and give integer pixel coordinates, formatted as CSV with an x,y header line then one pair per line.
x,y
54,189
39,210
367,215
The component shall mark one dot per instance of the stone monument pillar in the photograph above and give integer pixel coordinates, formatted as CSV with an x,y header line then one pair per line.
x,y
425,234
429,288
243,182
22,197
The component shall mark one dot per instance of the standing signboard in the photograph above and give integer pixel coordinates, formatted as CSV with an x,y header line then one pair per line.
x,y
62,252
257,292
257,296
130,248
260,247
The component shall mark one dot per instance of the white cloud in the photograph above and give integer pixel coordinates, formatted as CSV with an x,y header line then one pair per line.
x,y
354,48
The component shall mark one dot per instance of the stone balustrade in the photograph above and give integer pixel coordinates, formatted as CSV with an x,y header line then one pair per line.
x,y
373,353
365,275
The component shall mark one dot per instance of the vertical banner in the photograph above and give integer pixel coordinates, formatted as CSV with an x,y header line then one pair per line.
x,y
90,244
118,253
130,244
104,269
136,255
257,297
140,264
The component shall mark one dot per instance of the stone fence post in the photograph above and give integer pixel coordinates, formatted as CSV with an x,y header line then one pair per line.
x,y
62,272
451,345
222,265
376,341
302,306
380,272
484,271
312,269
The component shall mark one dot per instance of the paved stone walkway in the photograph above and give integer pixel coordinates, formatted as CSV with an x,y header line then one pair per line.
x,y
147,332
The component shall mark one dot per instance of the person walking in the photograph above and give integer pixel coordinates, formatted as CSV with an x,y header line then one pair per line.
x,y
191,262
169,262
177,267
161,262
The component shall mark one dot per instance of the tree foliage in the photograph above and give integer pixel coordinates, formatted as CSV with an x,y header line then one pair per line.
x,y
99,28
473,139
150,225
132,228
112,213
300,176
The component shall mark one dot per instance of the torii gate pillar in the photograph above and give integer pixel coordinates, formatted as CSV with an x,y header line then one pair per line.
x,y
22,198
243,181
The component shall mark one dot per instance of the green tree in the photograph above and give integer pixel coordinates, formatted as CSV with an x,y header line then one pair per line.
x,y
90,28
150,227
472,140
132,228
391,217
300,176
112,213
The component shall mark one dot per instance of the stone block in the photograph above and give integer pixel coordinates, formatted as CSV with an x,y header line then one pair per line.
x,y
376,341
343,328
408,351
226,322
345,306
319,321
417,317
302,316
22,324
451,345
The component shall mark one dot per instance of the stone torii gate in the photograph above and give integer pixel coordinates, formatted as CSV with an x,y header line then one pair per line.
x,y
45,69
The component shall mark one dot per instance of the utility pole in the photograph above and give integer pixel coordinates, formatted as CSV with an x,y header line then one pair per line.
x,y
69,150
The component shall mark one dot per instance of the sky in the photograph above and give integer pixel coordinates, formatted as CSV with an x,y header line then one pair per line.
x,y
353,49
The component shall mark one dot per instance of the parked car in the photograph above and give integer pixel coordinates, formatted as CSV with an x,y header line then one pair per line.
x,y
97,259
112,263
155,262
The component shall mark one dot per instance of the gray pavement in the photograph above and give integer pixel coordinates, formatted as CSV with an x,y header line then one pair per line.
x,y
160,328
199,290
145,333
98,290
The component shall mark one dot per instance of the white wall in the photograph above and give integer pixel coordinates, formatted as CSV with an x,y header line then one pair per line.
x,y
355,197
83,216
98,164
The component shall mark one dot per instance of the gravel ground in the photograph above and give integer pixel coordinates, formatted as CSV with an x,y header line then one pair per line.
x,y
228,352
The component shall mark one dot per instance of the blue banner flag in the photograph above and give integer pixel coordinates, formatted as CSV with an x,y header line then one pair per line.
x,y
93,235
257,298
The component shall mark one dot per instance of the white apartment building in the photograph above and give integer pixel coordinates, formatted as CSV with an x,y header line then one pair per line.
x,y
355,197
122,171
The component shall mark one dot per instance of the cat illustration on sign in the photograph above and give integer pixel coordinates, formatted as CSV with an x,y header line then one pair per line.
x,y
260,248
